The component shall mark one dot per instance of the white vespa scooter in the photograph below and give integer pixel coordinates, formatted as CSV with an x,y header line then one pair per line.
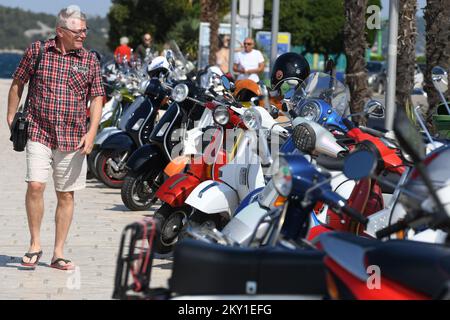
x,y
244,173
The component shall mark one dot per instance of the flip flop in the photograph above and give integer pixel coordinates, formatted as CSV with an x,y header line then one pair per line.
x,y
57,265
30,256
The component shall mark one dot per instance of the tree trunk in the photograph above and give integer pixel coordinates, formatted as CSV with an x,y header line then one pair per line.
x,y
406,53
355,45
210,13
437,27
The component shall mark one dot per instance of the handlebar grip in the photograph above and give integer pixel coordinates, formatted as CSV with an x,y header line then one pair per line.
x,y
393,228
355,215
371,131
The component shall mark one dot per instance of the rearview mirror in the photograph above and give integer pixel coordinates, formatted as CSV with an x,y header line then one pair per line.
x,y
440,79
374,108
359,165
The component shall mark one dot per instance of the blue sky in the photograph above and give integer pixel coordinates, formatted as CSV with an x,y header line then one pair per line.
x,y
90,7
101,7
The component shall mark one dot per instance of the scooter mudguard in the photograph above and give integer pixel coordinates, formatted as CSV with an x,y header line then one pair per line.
x,y
145,158
119,142
244,224
105,133
213,197
177,188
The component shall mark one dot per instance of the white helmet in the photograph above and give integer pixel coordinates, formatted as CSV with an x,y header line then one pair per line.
x,y
158,65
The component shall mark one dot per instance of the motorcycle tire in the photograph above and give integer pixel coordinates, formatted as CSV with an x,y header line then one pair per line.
x,y
106,174
169,225
138,190
91,159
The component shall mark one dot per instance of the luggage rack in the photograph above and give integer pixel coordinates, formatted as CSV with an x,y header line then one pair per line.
x,y
134,263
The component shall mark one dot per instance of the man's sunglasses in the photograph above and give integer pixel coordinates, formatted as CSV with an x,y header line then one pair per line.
x,y
248,44
77,33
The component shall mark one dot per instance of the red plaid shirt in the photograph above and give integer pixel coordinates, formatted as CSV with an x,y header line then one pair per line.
x,y
58,96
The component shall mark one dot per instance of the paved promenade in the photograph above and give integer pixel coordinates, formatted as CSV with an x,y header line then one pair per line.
x,y
92,244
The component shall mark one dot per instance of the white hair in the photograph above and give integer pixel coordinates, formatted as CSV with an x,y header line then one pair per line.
x,y
124,40
72,11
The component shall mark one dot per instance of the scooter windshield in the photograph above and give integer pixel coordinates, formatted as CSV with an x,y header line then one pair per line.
x,y
322,86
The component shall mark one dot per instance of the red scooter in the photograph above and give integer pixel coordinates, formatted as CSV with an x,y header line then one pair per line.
x,y
172,215
366,196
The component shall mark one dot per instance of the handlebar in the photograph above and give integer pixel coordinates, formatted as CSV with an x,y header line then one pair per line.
x,y
355,215
372,131
393,228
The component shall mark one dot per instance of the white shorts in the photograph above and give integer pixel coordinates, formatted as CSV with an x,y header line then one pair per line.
x,y
69,168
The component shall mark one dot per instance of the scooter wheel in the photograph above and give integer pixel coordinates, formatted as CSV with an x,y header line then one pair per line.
x,y
106,173
169,225
138,190
91,159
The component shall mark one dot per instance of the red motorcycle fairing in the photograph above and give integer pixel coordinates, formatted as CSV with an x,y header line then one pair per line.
x,y
347,286
366,198
177,188
389,156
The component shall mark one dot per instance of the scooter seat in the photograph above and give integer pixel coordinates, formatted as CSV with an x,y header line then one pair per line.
x,y
423,267
200,269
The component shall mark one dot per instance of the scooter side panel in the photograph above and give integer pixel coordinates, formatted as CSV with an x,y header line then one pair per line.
x,y
243,225
177,188
213,197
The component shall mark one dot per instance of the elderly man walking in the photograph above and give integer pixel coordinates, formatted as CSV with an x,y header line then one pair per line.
x,y
65,78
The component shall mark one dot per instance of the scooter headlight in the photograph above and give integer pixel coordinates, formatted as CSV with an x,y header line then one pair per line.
x,y
252,119
221,115
304,138
310,111
143,86
180,92
282,179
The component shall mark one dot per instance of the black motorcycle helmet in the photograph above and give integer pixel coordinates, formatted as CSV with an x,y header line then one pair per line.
x,y
289,66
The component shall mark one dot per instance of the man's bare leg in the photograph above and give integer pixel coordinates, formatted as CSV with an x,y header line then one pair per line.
x,y
34,202
63,220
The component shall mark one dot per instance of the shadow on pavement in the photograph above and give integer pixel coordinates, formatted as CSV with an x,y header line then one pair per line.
x,y
14,262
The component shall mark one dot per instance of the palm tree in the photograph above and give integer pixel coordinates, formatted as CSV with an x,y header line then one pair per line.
x,y
210,13
436,14
355,45
406,53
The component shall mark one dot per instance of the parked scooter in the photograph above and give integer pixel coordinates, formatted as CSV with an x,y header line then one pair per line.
x,y
181,127
409,269
135,127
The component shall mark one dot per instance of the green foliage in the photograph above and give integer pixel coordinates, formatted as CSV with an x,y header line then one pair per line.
x,y
317,25
133,18
14,22
185,33
421,59
376,57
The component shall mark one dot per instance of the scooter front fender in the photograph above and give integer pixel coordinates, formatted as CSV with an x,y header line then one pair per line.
x,y
119,142
213,197
148,157
105,133
177,188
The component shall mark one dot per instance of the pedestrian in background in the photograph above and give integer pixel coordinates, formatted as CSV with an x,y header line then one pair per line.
x,y
58,137
145,49
249,63
123,52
